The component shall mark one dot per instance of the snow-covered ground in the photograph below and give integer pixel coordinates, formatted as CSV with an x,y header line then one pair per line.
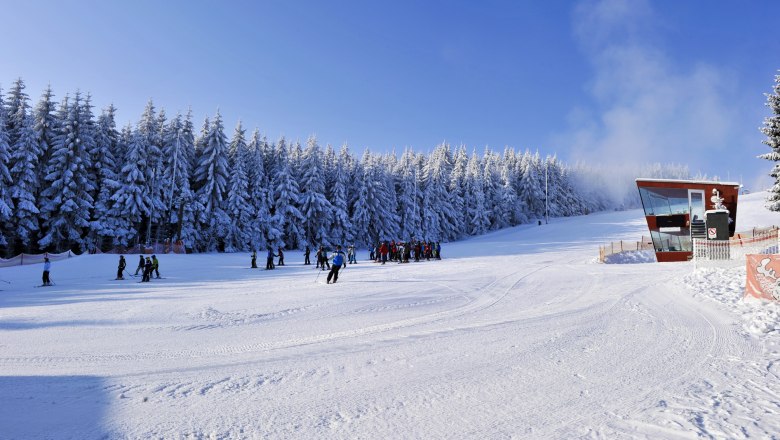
x,y
518,333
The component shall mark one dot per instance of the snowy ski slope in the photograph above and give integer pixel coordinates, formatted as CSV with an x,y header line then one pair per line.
x,y
515,334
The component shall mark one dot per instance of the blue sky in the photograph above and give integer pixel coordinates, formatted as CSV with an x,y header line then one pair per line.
x,y
609,81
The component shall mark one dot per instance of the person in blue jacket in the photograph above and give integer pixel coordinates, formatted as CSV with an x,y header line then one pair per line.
x,y
338,261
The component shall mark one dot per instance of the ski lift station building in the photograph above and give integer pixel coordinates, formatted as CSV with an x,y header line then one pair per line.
x,y
676,212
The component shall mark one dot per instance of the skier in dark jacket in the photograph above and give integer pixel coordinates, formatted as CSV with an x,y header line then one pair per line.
x,y
338,261
322,258
148,267
254,259
141,265
46,270
269,262
120,270
281,258
306,254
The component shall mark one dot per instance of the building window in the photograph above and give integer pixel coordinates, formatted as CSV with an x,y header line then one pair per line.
x,y
672,240
664,201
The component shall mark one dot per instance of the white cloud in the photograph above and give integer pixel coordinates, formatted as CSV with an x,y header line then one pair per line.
x,y
646,107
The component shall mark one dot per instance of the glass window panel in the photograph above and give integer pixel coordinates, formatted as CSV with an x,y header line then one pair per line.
x,y
672,241
664,201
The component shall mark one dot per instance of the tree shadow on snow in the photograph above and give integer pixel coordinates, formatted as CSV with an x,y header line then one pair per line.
x,y
47,407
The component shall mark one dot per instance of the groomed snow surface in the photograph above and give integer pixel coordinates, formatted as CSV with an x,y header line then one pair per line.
x,y
515,334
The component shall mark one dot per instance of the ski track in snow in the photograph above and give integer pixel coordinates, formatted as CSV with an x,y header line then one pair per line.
x,y
527,341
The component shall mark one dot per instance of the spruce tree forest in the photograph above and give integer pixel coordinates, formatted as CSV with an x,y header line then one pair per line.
x,y
70,179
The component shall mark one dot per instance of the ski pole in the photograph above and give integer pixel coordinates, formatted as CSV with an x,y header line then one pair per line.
x,y
318,275
128,273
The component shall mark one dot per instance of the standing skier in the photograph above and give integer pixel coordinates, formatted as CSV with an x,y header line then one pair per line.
x,y
306,254
338,260
254,259
322,258
383,250
147,270
46,270
155,266
351,254
141,264
121,268
281,258
269,262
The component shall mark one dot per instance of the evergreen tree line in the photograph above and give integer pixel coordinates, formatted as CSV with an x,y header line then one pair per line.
x,y
71,180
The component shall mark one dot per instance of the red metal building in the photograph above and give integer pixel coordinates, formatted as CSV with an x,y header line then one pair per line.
x,y
675,212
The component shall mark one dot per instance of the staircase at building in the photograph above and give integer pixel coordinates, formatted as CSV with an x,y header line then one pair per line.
x,y
698,229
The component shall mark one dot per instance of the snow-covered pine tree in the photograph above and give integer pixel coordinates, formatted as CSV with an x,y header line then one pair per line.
x,y
315,207
262,228
439,218
511,213
5,178
771,130
286,198
174,160
329,160
130,202
178,147
187,205
213,171
87,134
531,193
457,192
46,126
374,212
294,158
389,196
476,214
408,196
270,159
362,199
149,130
105,165
68,201
338,191
491,178
16,109
24,187
239,209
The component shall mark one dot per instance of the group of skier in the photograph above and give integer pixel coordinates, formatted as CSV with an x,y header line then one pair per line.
x,y
333,263
146,265
403,252
383,252
269,262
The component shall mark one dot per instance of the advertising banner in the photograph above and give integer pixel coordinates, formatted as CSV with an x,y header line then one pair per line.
x,y
763,276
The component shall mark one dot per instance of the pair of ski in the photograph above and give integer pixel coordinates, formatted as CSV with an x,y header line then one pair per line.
x,y
150,279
